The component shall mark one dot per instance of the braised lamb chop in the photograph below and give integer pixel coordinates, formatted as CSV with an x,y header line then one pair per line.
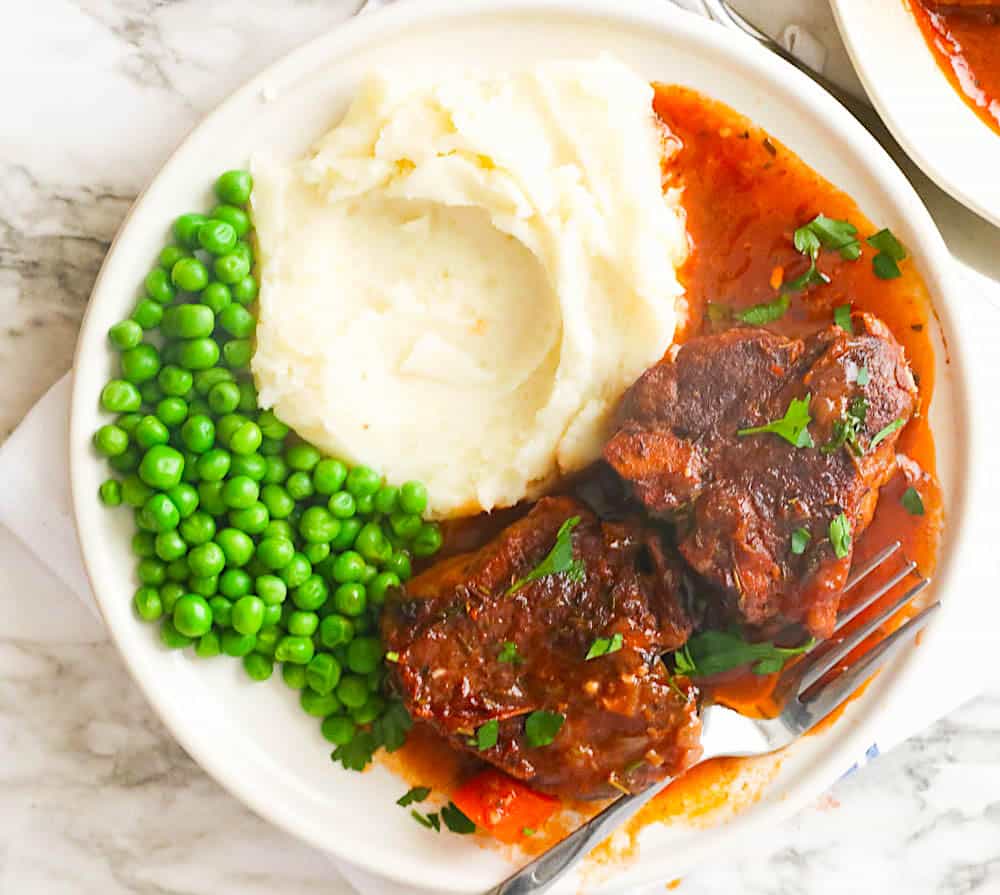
x,y
503,635
767,518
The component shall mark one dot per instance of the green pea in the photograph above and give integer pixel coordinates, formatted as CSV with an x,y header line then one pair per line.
x,y
338,729
364,654
143,544
271,447
323,673
192,615
234,187
236,644
119,396
172,411
128,421
203,585
206,380
365,506
413,498
245,291
386,499
213,465
235,583
240,492
371,543
140,364
302,457
190,275
246,439
128,461
237,321
170,545
276,470
245,251
298,650
318,705
164,515
161,467
224,397
222,610
111,440
185,498
178,571
236,545
216,297
150,392
252,519
158,286
269,635
147,313
316,553
188,321
110,493
399,563
294,675
248,395
150,431
248,614
135,492
237,218
350,599
198,433
198,528
147,604
362,481
318,526
170,255
279,528
198,354
271,426
257,666
311,594
207,559
382,583
349,566
217,237
170,593
171,638
342,505
175,381
125,334
208,645
186,229
349,531
271,589
428,540
297,571
278,501
373,708
230,269
299,485
275,553
303,624
352,691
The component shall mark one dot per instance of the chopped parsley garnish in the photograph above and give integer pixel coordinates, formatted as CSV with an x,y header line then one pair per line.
x,y
713,652
840,535
356,754
456,821
913,503
793,426
864,377
604,645
412,795
883,434
541,727
487,735
559,560
828,233
392,656
800,540
528,831
717,312
767,312
812,277
431,821
510,655
890,252
390,730
846,429
842,317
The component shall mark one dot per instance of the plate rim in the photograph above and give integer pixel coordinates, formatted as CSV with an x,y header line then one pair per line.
x,y
853,24
356,32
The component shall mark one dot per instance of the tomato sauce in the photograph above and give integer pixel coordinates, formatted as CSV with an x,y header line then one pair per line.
x,y
966,44
744,194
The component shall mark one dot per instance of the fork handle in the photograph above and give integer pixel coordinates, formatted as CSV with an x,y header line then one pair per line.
x,y
548,868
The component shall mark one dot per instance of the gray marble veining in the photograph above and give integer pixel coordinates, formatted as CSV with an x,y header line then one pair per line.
x,y
95,796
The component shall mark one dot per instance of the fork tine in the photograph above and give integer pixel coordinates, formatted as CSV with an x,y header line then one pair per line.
x,y
823,661
879,592
858,575
843,687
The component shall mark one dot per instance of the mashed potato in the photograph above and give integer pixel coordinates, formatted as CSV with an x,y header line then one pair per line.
x,y
461,280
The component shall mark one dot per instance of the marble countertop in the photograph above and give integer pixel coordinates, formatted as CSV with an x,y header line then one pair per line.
x,y
95,796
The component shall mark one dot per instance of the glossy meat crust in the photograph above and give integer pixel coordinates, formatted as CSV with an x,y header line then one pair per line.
x,y
737,500
627,722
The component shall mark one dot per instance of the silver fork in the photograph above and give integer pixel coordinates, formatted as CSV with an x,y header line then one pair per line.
x,y
809,698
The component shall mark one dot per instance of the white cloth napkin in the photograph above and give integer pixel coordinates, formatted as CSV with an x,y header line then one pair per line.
x,y
35,500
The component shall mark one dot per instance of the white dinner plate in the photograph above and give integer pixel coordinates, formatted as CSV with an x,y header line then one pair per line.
x,y
254,738
926,114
